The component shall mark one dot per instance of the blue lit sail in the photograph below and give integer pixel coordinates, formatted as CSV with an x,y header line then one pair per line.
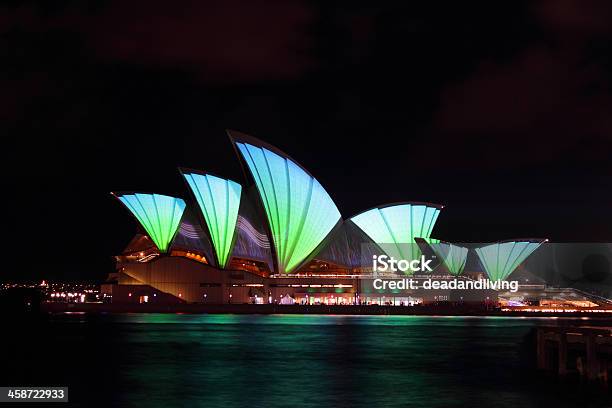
x,y
300,213
158,214
453,256
501,259
219,201
395,227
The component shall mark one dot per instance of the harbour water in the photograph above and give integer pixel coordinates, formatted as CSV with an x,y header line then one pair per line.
x,y
164,360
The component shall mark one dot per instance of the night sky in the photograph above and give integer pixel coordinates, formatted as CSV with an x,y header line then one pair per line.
x,y
502,111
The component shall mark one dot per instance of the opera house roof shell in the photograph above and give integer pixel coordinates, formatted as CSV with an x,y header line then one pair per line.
x,y
284,218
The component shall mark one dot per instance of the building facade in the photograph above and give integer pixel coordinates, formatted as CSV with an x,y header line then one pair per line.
x,y
279,237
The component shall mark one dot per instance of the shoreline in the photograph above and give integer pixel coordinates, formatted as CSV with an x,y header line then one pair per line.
x,y
437,310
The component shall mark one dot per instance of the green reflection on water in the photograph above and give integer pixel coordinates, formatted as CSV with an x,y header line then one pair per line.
x,y
322,360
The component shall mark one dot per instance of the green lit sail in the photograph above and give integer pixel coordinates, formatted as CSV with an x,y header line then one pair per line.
x,y
300,213
219,201
158,214
501,259
395,227
453,256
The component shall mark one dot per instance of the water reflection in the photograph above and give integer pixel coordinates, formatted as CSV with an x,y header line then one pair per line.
x,y
303,360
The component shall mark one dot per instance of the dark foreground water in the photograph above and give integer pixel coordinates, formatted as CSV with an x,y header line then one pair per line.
x,y
150,360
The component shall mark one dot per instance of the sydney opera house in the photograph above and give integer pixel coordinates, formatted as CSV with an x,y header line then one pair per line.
x,y
280,238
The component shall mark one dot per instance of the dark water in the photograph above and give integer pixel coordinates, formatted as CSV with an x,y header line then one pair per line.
x,y
165,360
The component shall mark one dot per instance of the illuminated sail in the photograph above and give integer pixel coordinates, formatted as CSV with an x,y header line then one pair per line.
x,y
158,214
219,201
300,213
453,256
395,227
502,258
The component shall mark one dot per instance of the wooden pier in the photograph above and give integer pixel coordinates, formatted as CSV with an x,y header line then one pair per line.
x,y
585,351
